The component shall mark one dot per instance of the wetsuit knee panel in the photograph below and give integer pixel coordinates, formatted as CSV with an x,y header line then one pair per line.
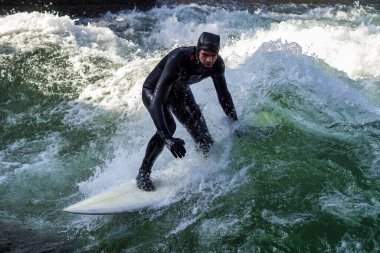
x,y
204,144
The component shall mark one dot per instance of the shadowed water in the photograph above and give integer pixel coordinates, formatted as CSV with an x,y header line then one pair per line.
x,y
303,178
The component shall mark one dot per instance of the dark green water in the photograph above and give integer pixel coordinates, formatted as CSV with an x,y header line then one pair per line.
x,y
303,178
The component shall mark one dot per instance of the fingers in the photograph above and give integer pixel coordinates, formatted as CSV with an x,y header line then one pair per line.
x,y
181,149
177,154
176,147
178,150
174,153
238,133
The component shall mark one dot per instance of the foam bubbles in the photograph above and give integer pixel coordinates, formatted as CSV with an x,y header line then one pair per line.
x,y
352,50
349,205
280,66
27,31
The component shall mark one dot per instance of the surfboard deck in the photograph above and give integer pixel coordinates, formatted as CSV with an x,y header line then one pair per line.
x,y
126,197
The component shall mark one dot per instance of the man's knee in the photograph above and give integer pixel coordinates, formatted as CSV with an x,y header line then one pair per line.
x,y
205,144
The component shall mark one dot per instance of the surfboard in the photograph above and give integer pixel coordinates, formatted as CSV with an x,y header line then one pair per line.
x,y
126,197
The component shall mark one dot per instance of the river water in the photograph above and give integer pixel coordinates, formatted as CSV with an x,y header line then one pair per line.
x,y
304,178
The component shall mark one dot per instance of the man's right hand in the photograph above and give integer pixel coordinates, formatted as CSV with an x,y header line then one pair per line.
x,y
176,146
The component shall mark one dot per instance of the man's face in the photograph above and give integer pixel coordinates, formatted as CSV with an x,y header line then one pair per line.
x,y
207,58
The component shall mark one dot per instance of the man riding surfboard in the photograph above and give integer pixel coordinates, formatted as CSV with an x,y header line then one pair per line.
x,y
166,91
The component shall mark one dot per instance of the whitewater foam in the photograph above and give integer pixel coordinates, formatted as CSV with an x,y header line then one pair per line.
x,y
284,71
27,31
348,204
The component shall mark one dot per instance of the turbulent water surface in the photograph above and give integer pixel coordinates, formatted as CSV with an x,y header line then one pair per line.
x,y
304,178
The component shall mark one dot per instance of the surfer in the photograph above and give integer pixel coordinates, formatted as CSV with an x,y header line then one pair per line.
x,y
166,91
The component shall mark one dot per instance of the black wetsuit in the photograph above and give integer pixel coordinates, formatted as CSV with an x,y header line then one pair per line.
x,y
167,90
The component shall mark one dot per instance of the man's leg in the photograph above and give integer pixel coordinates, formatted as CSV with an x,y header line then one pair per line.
x,y
190,115
154,148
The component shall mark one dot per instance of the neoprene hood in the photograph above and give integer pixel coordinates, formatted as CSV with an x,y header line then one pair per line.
x,y
209,41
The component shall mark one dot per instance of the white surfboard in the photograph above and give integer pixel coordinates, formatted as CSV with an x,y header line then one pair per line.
x,y
126,197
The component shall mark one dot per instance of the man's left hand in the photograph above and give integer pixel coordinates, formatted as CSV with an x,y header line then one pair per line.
x,y
238,129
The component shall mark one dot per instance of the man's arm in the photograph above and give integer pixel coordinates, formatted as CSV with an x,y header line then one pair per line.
x,y
164,84
160,96
224,96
